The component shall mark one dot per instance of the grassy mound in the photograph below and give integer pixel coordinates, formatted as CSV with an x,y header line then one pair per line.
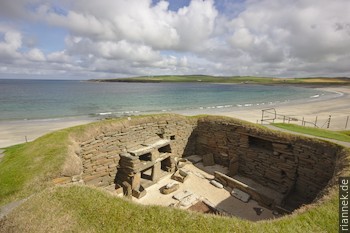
x,y
84,209
29,169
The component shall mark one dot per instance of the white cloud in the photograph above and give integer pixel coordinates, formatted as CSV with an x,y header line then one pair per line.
x,y
135,37
137,21
58,57
35,55
12,41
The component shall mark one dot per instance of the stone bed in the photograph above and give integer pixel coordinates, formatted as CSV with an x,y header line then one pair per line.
x,y
279,171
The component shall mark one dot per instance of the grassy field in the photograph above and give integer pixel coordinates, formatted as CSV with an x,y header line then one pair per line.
x,y
29,169
341,135
232,79
84,209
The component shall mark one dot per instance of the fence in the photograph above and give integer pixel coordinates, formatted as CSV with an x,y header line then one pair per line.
x,y
270,115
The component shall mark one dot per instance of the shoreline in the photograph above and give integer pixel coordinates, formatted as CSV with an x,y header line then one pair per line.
x,y
19,131
14,132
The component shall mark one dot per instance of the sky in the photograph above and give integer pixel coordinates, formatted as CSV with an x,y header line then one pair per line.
x,y
79,39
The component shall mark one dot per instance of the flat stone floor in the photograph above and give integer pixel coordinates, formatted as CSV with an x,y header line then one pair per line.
x,y
198,183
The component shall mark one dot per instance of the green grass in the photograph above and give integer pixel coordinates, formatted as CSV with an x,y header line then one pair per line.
x,y
232,79
341,136
347,132
28,168
84,209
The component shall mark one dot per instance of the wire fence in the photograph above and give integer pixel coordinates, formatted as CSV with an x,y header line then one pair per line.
x,y
335,122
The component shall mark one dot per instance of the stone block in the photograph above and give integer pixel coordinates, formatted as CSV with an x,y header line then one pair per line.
x,y
155,155
169,188
139,193
92,176
62,180
180,176
156,171
103,161
102,168
98,156
87,156
113,165
136,181
208,160
127,190
233,168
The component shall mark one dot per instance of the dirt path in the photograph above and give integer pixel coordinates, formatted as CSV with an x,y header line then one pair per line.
x,y
6,209
2,154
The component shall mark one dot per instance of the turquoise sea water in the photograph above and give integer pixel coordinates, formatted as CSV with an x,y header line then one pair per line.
x,y
42,99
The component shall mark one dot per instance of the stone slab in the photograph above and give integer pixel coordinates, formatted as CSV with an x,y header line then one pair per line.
x,y
148,149
182,195
194,158
189,201
239,194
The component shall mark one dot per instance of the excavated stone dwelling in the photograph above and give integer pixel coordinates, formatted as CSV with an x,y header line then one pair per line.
x,y
136,152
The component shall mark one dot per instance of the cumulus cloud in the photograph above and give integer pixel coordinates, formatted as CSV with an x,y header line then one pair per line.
x,y
290,32
12,41
35,55
140,37
136,21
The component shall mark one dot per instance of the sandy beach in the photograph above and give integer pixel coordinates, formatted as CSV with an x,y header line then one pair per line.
x,y
16,132
337,106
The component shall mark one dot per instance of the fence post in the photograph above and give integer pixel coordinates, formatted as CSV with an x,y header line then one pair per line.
x,y
347,120
302,122
316,121
329,121
284,118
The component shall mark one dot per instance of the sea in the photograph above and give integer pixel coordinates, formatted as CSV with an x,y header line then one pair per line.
x,y
52,99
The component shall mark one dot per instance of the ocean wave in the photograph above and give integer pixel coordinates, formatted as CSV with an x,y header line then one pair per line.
x,y
104,113
315,96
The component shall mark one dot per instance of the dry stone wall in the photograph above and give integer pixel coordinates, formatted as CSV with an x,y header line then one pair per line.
x,y
293,166
287,164
100,151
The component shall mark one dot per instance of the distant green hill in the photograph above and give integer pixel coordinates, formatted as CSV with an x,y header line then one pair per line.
x,y
231,79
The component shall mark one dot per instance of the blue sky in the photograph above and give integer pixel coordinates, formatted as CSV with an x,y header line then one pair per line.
x,y
119,38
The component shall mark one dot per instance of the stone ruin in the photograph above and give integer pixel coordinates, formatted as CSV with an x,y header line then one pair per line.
x,y
139,168
133,154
